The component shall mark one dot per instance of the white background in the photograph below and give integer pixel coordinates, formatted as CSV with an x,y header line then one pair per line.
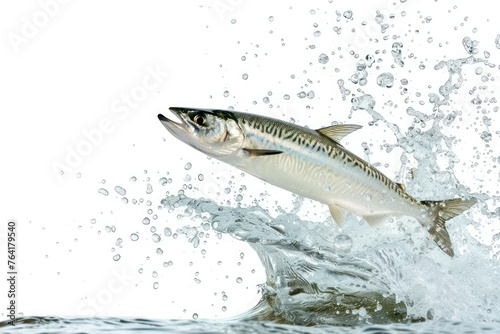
x,y
71,71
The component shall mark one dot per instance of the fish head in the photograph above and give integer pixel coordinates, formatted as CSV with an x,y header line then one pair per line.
x,y
213,132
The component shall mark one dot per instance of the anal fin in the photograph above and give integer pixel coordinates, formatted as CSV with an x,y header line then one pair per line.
x,y
376,220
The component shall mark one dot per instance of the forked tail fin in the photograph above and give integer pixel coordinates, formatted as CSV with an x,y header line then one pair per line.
x,y
441,211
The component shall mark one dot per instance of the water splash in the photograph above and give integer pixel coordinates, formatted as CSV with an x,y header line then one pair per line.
x,y
317,274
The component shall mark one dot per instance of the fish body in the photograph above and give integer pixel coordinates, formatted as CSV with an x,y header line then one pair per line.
x,y
312,164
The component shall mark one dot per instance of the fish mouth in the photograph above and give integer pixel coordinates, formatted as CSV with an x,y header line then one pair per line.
x,y
179,129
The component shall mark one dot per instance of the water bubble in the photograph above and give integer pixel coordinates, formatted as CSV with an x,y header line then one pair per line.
x,y
286,97
233,21
244,76
134,237
159,251
103,191
226,93
116,257
342,243
201,177
124,200
317,33
132,179
146,221
149,188
93,221
120,190
239,280
348,14
323,58
385,80
156,285
167,231
224,309
163,181
195,316
310,94
271,18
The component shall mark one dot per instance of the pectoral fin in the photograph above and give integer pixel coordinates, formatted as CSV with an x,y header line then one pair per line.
x,y
337,132
257,153
338,214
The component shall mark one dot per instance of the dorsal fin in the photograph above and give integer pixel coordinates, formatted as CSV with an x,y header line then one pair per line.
x,y
337,132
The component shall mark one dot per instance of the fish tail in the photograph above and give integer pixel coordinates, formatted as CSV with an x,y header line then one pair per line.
x,y
440,213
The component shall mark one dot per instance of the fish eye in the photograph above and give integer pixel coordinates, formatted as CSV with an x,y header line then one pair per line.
x,y
199,118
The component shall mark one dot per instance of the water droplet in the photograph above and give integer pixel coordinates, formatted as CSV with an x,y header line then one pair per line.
x,y
188,166
195,316
159,251
156,237
92,221
271,18
239,280
233,21
149,188
323,58
470,45
317,33
385,80
163,181
121,191
167,231
342,243
124,200
156,285
134,237
103,191
348,14
116,257
133,179
286,97
226,93
146,221
244,76
301,95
